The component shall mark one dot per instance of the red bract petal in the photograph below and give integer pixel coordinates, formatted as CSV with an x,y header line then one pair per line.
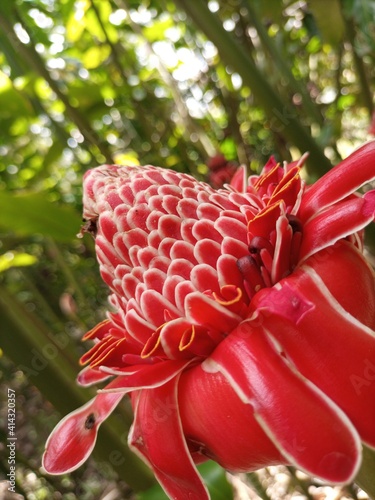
x,y
180,339
337,222
99,331
73,439
220,426
281,262
205,311
288,190
329,346
309,430
157,437
90,376
272,174
340,182
239,179
263,224
144,376
349,278
204,277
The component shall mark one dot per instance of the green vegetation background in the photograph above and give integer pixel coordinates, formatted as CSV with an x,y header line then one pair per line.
x,y
86,82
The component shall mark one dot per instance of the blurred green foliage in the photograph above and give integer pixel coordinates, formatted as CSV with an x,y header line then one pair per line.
x,y
84,82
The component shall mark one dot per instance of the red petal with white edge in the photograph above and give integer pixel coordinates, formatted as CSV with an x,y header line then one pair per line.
x,y
73,439
145,376
220,426
239,179
305,425
202,310
90,376
343,180
157,437
350,279
337,222
330,347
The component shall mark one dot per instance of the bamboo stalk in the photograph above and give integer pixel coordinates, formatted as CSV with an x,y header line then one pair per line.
x,y
366,94
281,115
281,63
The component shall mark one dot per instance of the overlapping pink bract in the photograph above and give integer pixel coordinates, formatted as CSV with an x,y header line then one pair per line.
x,y
244,322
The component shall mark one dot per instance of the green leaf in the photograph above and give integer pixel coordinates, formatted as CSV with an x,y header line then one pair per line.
x,y
214,477
365,476
12,103
216,480
16,259
76,25
95,56
157,30
30,213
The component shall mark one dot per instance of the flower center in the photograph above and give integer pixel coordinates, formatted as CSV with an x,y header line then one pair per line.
x,y
266,263
274,233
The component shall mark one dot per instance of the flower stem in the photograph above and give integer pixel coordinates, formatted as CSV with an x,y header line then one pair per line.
x,y
299,482
257,485
366,476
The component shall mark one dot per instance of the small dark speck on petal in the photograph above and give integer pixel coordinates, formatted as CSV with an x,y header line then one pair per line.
x,y
90,421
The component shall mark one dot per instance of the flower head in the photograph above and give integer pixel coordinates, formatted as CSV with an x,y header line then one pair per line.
x,y
242,325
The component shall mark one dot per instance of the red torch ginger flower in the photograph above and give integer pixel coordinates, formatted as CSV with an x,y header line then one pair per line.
x,y
243,326
221,170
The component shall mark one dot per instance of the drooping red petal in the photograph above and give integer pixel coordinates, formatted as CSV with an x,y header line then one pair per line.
x,y
329,346
343,180
73,439
99,330
157,437
307,427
